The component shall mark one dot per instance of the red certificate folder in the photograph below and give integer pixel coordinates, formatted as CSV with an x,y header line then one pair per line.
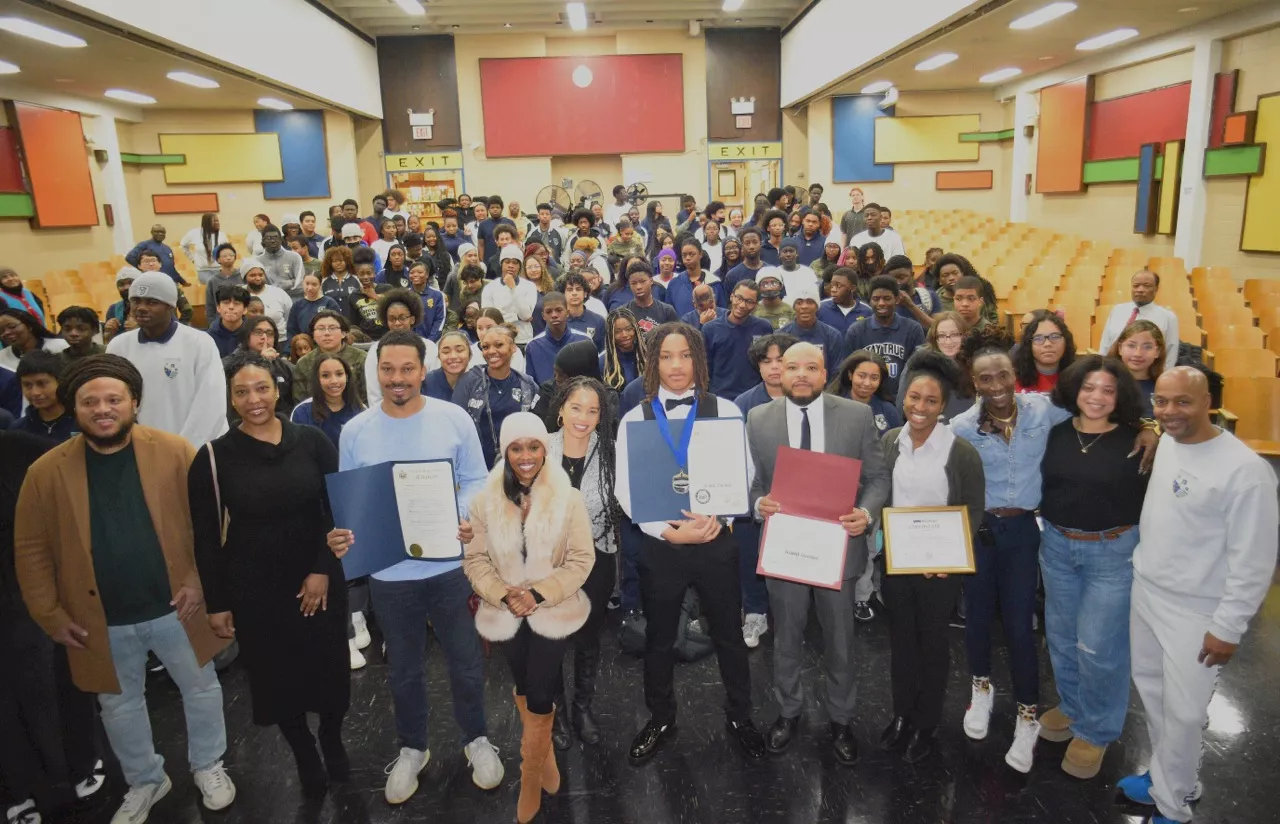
x,y
816,486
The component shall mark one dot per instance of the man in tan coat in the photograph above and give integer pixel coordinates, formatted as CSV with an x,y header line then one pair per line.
x,y
103,550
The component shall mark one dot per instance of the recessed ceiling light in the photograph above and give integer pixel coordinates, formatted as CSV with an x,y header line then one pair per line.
x,y
1041,16
877,87
63,80
273,103
937,61
411,7
577,15
506,25
1188,9
8,68
1108,39
737,19
44,34
129,97
193,80
999,75
732,5
416,28
455,26
1047,57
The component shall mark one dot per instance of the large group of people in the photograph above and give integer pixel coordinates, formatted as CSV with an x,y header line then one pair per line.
x,y
140,510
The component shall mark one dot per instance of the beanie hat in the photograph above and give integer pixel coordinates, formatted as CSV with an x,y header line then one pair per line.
x,y
127,273
769,272
836,238
352,229
805,291
579,359
665,253
789,241
463,248
511,251
249,264
289,218
156,286
519,425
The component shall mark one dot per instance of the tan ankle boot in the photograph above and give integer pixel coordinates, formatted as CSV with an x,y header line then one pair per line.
x,y
550,770
535,749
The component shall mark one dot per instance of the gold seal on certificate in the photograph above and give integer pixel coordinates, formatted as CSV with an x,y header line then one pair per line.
x,y
927,539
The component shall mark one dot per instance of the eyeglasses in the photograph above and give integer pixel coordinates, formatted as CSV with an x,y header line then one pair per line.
x,y
1052,337
1134,346
951,336
742,300
328,328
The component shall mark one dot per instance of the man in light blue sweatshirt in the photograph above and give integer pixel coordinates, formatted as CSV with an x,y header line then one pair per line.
x,y
1202,568
408,426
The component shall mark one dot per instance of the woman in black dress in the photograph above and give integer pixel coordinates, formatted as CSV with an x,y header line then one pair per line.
x,y
260,515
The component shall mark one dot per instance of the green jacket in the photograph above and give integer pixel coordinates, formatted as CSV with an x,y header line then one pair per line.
x,y
302,370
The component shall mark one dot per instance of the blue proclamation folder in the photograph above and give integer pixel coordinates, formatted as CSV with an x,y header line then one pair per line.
x,y
364,501
650,467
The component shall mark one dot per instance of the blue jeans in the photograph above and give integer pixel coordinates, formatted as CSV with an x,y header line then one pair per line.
x,y
403,609
125,715
1086,622
755,596
1006,577
629,581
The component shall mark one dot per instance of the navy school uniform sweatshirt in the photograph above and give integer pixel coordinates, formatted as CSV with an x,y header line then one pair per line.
x,y
540,353
894,342
825,337
680,292
840,320
727,344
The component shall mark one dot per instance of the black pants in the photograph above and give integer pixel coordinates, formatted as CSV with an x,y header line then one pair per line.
x,y
49,742
586,641
666,571
535,667
919,612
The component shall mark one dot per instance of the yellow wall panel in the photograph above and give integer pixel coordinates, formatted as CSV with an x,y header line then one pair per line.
x,y
1170,187
925,139
1262,203
223,158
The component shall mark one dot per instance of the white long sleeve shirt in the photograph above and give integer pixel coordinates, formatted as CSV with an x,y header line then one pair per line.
x,y
184,389
192,244
1209,531
890,242
1160,316
516,305
276,302
725,408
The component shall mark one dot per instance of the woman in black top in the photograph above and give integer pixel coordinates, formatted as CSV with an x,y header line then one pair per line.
x,y
1091,502
269,579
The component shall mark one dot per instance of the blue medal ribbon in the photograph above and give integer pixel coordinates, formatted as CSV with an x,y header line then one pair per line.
x,y
680,450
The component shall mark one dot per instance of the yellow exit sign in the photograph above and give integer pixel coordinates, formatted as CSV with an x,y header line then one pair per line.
x,y
423,162
744,151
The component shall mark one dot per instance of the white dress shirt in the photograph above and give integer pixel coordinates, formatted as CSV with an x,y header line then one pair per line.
x,y
622,478
1160,316
919,476
817,436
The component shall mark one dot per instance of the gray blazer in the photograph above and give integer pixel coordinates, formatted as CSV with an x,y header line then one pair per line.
x,y
849,429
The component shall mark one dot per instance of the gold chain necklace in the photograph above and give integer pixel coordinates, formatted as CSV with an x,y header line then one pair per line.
x,y
1007,422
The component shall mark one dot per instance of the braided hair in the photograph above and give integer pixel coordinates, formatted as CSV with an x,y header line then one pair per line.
x,y
653,348
613,375
606,432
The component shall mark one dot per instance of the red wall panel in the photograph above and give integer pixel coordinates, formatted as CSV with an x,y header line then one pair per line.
x,y
10,164
1224,103
57,165
1120,127
634,103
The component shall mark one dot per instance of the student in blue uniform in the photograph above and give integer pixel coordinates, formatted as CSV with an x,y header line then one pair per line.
x,y
915,302
540,353
887,334
680,289
728,341
335,398
581,317
39,373
454,353
806,326
863,377
842,309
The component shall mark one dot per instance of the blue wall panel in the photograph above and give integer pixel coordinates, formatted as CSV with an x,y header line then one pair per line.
x,y
1144,213
853,140
302,153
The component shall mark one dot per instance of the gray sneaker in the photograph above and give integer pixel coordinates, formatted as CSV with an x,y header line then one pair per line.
x,y
139,801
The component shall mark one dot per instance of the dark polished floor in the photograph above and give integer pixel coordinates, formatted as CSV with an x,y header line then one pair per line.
x,y
703,779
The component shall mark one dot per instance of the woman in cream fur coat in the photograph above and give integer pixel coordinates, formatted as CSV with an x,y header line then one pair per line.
x,y
530,553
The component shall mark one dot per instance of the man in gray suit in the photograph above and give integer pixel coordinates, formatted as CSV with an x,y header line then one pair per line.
x,y
805,418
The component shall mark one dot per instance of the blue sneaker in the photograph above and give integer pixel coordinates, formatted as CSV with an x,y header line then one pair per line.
x,y
1159,819
1137,788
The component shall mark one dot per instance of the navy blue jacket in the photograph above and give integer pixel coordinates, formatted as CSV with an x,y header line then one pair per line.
x,y
826,338
693,319
433,314
769,254
226,340
894,343
741,272
540,353
631,397
727,344
836,318
591,325
166,258
60,429
810,250
753,397
680,293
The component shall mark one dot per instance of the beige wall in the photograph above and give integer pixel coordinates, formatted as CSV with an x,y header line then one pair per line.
x,y
371,174
795,146
237,202
1257,56
1154,74
521,178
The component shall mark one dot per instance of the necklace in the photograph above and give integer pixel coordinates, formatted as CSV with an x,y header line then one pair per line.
x,y
1084,448
1007,422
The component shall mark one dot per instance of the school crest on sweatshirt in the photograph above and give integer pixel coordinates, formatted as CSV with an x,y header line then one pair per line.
x,y
171,369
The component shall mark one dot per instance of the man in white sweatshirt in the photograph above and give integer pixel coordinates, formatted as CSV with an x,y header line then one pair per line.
x,y
1201,570
186,391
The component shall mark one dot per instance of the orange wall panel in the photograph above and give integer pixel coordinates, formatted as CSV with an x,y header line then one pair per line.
x,y
184,204
958,181
1064,123
57,162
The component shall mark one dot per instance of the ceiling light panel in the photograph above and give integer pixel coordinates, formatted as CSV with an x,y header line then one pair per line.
x,y
44,34
193,80
126,96
1108,39
937,61
1041,16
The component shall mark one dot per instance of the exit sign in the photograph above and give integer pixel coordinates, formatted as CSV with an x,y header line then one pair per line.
x,y
421,132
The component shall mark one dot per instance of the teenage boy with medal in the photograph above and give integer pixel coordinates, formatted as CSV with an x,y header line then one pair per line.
x,y
695,551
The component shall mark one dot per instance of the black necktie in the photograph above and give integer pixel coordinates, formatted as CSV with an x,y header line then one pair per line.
x,y
672,403
806,436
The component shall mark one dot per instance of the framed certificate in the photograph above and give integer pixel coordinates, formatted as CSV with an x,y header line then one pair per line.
x,y
920,539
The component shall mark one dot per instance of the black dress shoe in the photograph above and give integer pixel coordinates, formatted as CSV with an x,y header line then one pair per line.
x,y
749,738
895,735
650,740
781,733
844,745
920,746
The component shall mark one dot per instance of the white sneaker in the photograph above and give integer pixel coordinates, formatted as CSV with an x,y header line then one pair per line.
x,y
93,783
402,780
24,813
1022,753
357,657
486,769
753,627
216,787
139,801
361,627
978,717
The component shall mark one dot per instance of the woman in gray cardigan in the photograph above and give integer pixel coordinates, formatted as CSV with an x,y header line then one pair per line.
x,y
930,467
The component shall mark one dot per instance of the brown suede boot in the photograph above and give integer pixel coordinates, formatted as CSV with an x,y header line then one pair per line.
x,y
535,749
550,770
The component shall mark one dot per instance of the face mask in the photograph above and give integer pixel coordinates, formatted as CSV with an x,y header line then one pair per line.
x,y
770,294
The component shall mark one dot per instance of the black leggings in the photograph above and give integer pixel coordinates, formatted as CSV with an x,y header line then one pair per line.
x,y
535,667
297,733
598,587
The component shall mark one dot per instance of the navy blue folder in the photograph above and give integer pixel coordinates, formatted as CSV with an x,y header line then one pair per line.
x,y
650,468
364,501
